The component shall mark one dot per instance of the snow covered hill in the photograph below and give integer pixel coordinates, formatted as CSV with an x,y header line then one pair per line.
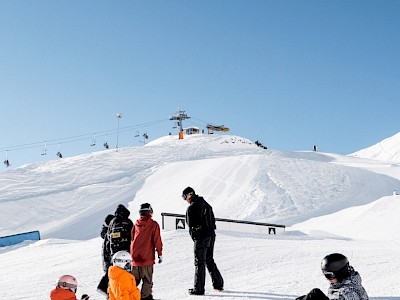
x,y
386,150
329,202
242,181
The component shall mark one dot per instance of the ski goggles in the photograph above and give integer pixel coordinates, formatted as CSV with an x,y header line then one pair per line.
x,y
329,275
184,197
70,286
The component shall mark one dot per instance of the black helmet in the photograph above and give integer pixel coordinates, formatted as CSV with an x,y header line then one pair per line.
x,y
145,209
335,265
188,191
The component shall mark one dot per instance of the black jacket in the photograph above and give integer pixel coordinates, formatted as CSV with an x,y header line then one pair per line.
x,y
200,218
119,230
106,242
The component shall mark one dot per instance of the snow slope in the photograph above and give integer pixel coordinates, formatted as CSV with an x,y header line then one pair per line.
x,y
386,150
329,203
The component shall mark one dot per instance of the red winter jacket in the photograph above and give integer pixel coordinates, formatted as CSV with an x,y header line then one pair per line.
x,y
146,239
62,294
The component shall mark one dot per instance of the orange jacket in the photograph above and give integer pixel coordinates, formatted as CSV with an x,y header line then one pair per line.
x,y
122,285
146,239
62,294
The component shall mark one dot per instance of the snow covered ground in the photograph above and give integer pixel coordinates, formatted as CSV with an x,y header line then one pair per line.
x,y
330,203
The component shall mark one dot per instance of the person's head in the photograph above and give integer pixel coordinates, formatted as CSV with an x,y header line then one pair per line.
x,y
122,211
188,193
123,260
108,219
67,282
145,209
335,267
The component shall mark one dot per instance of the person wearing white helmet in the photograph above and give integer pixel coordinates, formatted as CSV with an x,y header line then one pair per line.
x,y
122,284
66,288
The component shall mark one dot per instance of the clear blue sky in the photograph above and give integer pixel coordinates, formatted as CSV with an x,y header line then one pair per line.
x,y
290,74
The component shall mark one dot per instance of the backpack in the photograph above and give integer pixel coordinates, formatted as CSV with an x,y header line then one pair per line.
x,y
119,234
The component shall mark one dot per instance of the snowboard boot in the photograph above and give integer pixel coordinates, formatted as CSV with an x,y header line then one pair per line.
x,y
195,292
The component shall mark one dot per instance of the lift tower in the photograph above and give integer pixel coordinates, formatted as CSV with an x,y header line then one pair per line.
x,y
180,116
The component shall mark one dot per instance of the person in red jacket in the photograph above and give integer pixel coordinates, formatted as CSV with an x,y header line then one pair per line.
x,y
66,289
146,240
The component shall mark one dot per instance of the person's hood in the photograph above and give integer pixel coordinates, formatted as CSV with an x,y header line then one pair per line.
x,y
115,272
144,221
108,219
122,212
62,294
353,278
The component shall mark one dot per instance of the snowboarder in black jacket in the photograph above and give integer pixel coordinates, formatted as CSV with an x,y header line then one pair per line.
x,y
119,230
201,222
103,284
106,243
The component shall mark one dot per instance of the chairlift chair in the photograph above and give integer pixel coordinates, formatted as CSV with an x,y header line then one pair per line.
x,y
6,161
44,151
93,142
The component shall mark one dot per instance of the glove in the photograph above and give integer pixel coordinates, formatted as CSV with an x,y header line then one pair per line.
x,y
160,259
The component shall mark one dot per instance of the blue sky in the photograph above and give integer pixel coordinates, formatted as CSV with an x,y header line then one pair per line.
x,y
290,74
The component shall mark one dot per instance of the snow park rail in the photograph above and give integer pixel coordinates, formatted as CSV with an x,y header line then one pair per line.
x,y
177,222
19,238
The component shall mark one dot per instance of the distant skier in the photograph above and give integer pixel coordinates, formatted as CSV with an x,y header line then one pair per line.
x,y
119,230
106,254
122,285
345,282
66,289
146,239
201,222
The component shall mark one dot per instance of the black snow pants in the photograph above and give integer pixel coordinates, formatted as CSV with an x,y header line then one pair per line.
x,y
204,257
314,294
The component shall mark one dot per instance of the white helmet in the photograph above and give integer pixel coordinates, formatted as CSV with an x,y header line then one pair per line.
x,y
123,260
68,282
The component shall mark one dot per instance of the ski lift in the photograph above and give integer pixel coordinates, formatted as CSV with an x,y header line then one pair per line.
x,y
105,144
145,137
137,134
44,151
6,161
93,141
59,153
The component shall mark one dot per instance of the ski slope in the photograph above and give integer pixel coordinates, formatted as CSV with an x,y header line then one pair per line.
x,y
330,203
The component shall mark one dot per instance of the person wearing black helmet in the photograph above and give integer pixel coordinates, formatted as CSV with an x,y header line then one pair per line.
x,y
201,222
146,240
345,282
